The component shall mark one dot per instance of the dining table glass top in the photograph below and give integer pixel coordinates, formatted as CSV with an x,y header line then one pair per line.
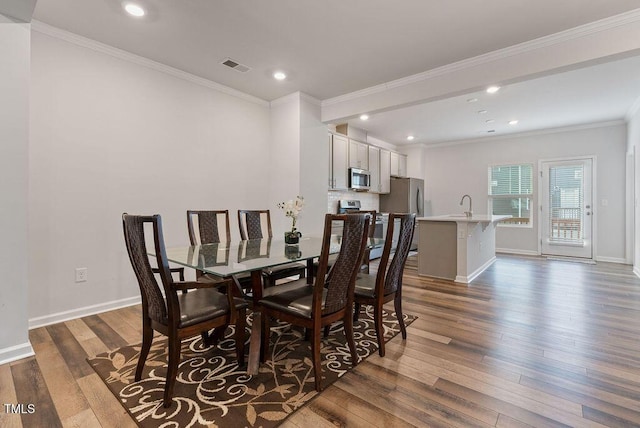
x,y
226,259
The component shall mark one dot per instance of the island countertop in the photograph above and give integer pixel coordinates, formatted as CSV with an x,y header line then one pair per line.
x,y
461,218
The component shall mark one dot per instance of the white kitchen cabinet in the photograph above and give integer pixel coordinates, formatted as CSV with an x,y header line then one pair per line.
x,y
358,155
402,166
398,165
395,171
385,171
338,162
374,169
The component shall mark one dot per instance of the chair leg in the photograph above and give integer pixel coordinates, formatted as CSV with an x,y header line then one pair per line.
x,y
211,339
240,335
206,338
172,370
348,332
377,320
147,338
315,357
356,312
266,332
397,301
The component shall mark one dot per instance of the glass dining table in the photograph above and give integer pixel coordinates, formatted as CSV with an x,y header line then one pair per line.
x,y
229,259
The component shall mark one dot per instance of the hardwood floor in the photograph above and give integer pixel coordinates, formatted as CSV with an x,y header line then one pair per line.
x,y
530,342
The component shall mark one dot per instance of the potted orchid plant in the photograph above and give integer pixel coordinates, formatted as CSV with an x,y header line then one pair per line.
x,y
292,209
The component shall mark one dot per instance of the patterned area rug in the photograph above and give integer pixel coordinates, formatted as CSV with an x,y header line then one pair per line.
x,y
211,390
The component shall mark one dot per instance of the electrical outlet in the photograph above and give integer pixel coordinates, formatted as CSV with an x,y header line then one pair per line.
x,y
81,274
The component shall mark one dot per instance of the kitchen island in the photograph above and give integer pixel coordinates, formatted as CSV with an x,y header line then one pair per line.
x,y
456,246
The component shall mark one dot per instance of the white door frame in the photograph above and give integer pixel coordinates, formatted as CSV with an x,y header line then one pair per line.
x,y
594,205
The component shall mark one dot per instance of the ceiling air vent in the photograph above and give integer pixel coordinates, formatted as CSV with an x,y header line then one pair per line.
x,y
235,65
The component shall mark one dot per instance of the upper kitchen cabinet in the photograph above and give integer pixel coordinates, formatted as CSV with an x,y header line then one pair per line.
x,y
358,155
379,168
338,162
385,171
374,169
398,165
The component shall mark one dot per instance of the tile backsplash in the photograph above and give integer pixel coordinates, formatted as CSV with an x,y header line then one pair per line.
x,y
369,201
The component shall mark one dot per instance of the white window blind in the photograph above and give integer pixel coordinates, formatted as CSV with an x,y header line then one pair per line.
x,y
511,192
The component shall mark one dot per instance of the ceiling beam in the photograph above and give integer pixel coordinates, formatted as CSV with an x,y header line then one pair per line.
x,y
597,42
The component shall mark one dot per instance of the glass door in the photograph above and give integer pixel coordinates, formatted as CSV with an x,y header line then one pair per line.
x,y
567,214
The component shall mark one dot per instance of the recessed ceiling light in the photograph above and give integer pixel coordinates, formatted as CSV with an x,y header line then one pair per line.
x,y
364,117
482,112
134,10
279,75
493,89
489,121
513,122
472,100
410,137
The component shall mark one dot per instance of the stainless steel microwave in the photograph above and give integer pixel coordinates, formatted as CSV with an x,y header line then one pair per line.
x,y
359,179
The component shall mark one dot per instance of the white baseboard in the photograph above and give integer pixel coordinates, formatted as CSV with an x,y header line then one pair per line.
x,y
17,352
636,271
475,273
519,252
612,260
82,312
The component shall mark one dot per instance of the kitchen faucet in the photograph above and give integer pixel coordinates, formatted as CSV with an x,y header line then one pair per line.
x,y
470,212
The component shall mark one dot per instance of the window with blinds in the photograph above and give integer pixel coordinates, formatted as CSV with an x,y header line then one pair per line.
x,y
511,193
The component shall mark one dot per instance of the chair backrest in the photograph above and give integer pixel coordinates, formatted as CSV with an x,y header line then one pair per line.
x,y
252,249
373,214
250,223
134,235
389,276
372,228
340,283
208,226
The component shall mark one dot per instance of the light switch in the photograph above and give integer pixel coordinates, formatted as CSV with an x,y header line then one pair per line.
x,y
605,202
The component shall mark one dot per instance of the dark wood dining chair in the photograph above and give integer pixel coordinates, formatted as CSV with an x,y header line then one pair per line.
x,y
330,299
366,262
205,228
250,223
367,252
176,315
386,284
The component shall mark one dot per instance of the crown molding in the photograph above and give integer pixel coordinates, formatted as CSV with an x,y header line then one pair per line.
x,y
311,100
75,39
569,128
528,46
294,96
633,110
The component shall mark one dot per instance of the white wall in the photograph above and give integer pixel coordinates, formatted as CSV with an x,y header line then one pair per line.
x,y
633,147
284,159
454,170
299,159
314,166
109,136
14,144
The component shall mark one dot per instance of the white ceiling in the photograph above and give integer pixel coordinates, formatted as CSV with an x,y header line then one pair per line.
x,y
604,92
333,47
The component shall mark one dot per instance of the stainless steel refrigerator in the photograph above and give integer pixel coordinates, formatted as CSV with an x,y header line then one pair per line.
x,y
406,196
